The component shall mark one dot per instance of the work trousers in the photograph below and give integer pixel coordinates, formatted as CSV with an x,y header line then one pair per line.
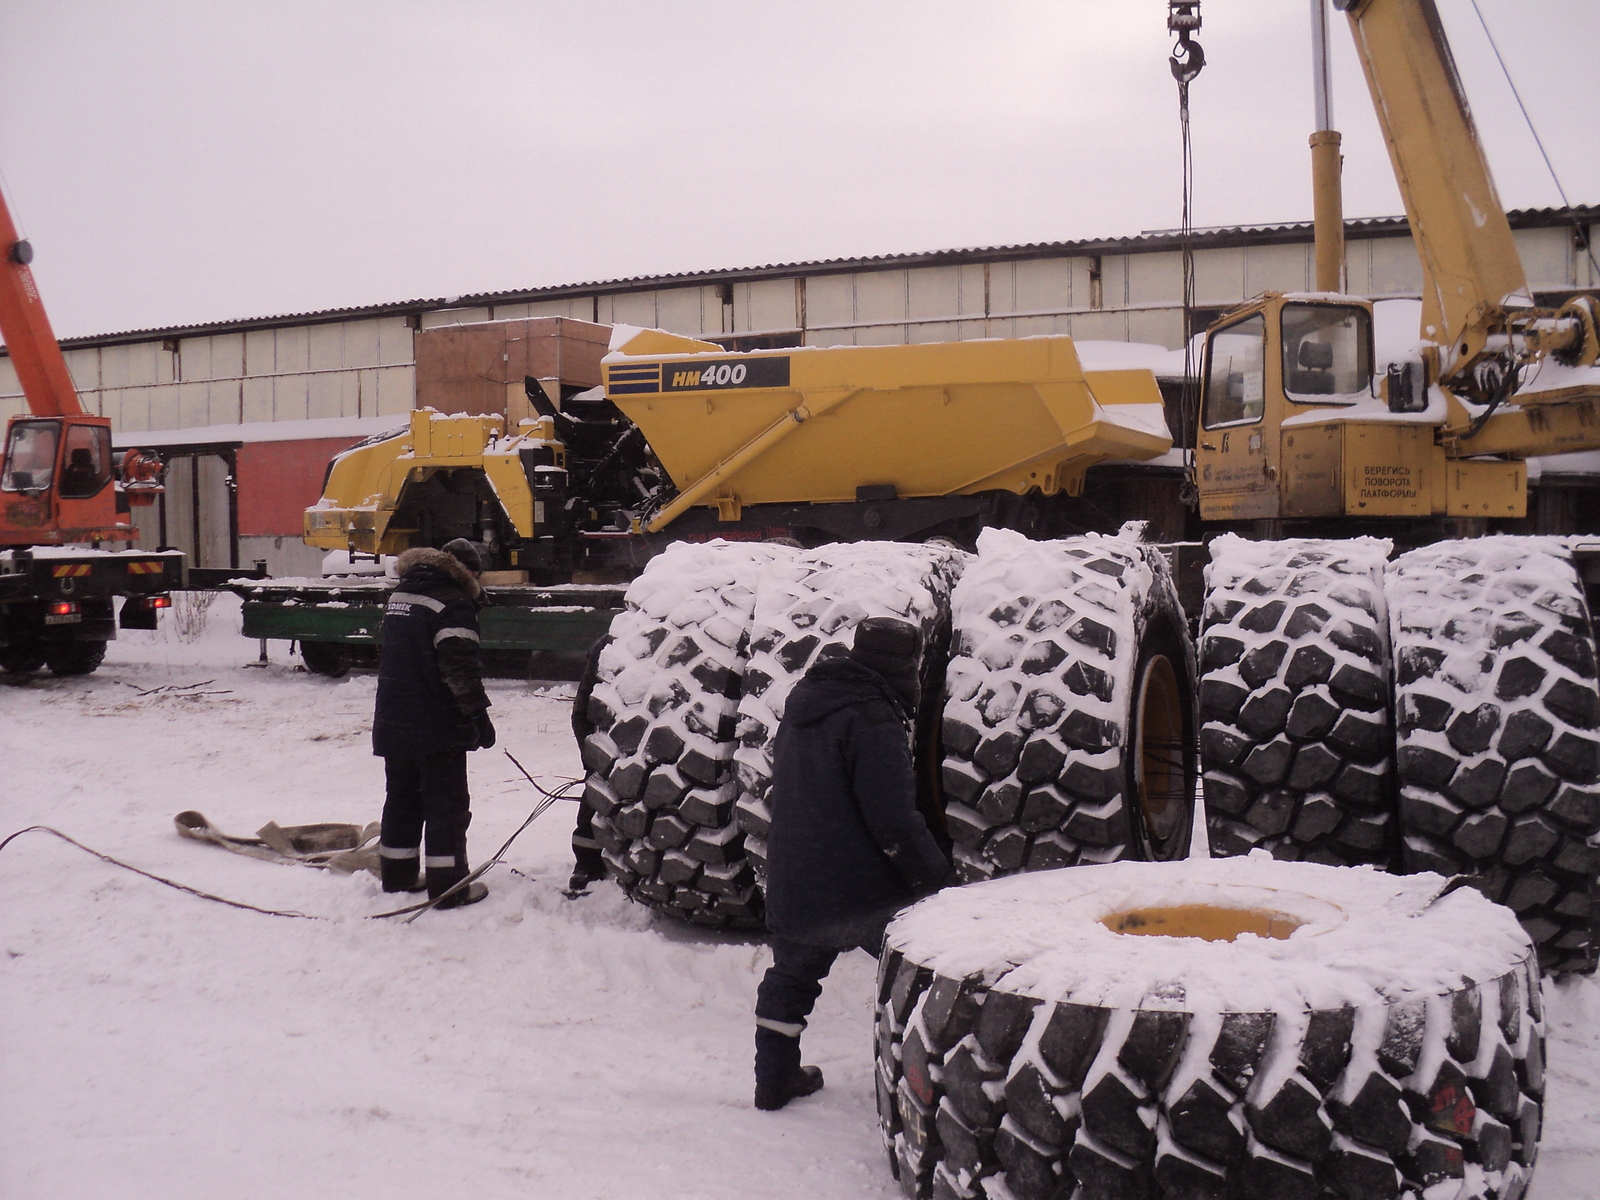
x,y
585,849
785,998
429,796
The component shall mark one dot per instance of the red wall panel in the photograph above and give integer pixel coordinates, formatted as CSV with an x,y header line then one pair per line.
x,y
278,481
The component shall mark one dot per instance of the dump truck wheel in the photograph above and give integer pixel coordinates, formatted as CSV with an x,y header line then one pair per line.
x,y
1296,739
1498,725
1067,730
1029,1043
806,610
660,763
325,658
76,658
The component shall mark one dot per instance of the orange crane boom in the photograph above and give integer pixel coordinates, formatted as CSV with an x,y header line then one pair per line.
x,y
24,325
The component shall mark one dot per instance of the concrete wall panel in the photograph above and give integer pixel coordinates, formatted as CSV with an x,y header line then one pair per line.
x,y
325,347
397,390
830,300
936,292
1155,278
1277,269
768,306
84,367
1547,257
290,398
261,352
257,400
1042,285
678,310
881,296
1395,267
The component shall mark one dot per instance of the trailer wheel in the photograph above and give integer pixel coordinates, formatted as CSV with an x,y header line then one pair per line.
x,y
76,658
1498,721
1296,737
1067,729
664,706
325,658
1372,1039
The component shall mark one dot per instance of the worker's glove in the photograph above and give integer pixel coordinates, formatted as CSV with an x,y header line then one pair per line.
x,y
484,729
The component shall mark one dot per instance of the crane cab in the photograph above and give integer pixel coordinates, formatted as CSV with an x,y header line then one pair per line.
x,y
58,482
1295,424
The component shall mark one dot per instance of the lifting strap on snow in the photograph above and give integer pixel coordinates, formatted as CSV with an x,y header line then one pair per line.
x,y
343,849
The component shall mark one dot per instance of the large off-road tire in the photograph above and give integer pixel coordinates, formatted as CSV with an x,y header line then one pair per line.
x,y
664,706
1497,712
1068,731
806,610
1296,739
76,658
1030,1045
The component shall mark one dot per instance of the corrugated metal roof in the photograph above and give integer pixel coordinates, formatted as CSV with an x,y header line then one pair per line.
x,y
1150,240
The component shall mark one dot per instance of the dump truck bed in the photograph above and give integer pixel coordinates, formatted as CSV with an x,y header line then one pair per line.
x,y
818,424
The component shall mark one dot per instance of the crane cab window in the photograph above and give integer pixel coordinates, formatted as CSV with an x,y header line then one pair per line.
x,y
1327,353
1236,385
30,456
86,461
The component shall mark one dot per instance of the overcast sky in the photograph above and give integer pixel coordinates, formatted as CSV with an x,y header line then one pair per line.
x,y
188,162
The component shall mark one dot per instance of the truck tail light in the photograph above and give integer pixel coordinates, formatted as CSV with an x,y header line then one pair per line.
x,y
160,601
61,608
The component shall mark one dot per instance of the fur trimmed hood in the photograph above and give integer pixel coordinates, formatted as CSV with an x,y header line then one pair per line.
x,y
446,564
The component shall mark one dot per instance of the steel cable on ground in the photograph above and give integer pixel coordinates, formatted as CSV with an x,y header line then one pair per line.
x,y
412,911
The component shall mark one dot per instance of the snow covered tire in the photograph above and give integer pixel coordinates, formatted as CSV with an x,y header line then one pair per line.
x,y
1296,740
660,763
1056,646
1498,724
806,608
1027,1047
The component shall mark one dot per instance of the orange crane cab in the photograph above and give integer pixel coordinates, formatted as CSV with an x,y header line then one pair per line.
x,y
63,493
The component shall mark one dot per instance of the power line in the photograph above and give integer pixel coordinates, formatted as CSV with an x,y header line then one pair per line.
x,y
1537,140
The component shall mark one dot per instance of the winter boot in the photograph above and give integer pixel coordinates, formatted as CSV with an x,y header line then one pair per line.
x,y
400,869
772,1096
442,879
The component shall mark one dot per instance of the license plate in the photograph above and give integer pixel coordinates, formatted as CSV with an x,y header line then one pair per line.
x,y
64,619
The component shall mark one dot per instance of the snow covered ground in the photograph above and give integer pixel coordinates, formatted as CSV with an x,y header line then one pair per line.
x,y
153,1044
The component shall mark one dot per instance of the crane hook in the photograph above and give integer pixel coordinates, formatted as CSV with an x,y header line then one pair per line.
x,y
1188,58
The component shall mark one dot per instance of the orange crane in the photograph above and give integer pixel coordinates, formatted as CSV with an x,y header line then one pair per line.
x,y
62,494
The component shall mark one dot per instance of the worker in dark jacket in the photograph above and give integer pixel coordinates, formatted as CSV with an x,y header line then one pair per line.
x,y
847,847
431,710
587,865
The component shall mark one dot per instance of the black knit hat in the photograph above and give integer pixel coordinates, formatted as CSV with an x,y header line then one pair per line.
x,y
891,647
465,553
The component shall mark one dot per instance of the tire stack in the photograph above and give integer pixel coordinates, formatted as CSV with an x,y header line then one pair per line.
x,y
660,764
807,606
1037,722
1295,737
1497,714
1026,1051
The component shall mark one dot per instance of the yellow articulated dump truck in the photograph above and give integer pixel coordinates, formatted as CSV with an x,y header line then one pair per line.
x,y
1375,669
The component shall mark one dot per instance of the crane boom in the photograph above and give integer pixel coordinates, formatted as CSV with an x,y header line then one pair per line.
x,y
1471,271
41,368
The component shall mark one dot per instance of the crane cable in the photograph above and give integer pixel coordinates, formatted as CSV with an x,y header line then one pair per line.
x,y
1588,248
1187,61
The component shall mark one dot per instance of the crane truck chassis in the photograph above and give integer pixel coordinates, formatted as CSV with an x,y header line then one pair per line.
x,y
1368,678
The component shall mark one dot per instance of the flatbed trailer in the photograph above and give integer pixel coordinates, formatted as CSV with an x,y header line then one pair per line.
x,y
338,620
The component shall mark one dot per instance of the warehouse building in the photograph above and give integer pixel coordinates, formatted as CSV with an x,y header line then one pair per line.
x,y
248,412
